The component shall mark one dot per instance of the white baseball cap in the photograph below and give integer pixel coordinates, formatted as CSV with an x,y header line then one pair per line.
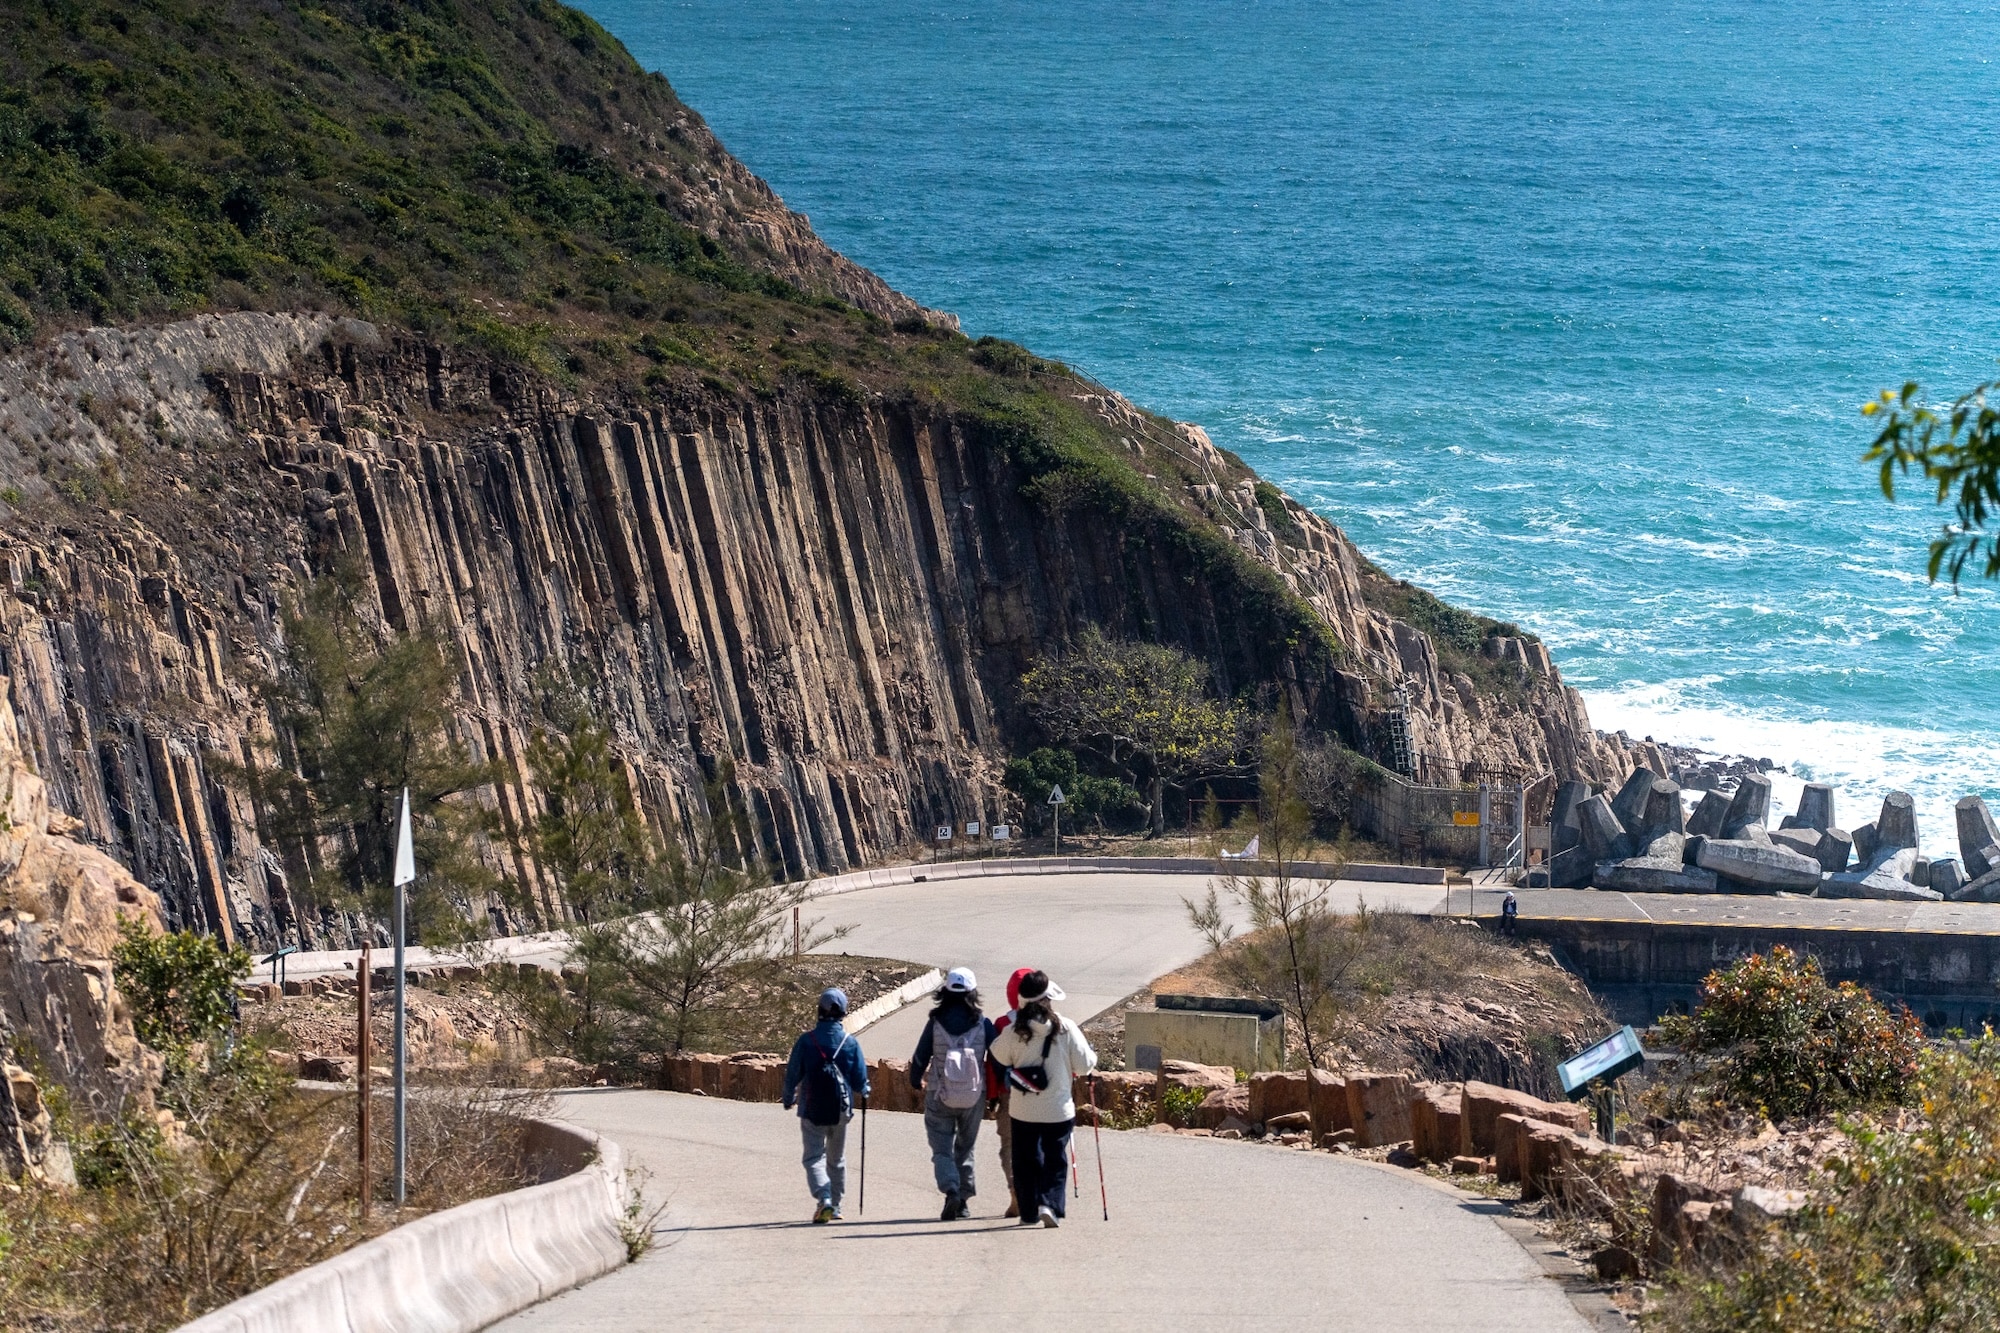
x,y
960,979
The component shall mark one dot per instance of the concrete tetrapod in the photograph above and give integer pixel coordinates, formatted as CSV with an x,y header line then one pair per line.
x,y
1750,805
1562,820
1630,805
1978,838
1603,835
1815,808
1654,827
1804,841
1829,847
1887,876
1706,821
1985,889
1760,865
1896,826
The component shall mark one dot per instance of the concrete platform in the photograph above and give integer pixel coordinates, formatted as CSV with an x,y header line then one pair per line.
x,y
1645,954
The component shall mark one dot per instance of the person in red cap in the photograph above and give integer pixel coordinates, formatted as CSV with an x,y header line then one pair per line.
x,y
996,1093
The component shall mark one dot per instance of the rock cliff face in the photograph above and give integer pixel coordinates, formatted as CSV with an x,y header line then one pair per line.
x,y
60,904
836,595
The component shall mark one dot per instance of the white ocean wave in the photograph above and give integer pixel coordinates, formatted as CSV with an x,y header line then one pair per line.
x,y
1863,760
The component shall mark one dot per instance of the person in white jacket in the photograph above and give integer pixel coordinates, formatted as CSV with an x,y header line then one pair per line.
x,y
1043,1053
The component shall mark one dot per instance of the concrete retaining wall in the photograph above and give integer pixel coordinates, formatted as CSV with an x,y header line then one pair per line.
x,y
1237,1041
465,1268
1643,969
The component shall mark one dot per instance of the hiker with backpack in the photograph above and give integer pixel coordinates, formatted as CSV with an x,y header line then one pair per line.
x,y
1043,1054
826,1077
949,1067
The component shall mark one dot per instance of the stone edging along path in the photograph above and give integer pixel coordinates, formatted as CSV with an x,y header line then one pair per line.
x,y
464,1268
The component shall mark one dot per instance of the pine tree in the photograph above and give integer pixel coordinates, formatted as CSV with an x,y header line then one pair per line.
x,y
364,713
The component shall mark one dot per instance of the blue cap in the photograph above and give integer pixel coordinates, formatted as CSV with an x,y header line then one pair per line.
x,y
833,1000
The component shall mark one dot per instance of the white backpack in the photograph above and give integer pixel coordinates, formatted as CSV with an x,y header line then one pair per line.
x,y
958,1066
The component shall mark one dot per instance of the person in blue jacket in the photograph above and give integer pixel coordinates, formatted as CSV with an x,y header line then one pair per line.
x,y
826,1078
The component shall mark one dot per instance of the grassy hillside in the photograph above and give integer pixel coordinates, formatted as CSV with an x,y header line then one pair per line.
x,y
448,167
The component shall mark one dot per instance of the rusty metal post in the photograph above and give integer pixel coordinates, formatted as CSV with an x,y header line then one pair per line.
x,y
796,943
363,1057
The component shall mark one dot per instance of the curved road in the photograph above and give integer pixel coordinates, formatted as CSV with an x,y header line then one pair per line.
x,y
1101,936
1200,1229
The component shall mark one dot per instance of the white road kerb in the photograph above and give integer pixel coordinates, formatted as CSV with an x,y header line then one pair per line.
x,y
882,1006
462,1269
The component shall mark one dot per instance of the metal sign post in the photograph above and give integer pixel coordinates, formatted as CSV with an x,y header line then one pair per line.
x,y
1056,802
406,870
1594,1072
277,962
364,1055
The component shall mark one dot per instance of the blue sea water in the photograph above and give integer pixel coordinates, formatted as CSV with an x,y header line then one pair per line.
x,y
1562,308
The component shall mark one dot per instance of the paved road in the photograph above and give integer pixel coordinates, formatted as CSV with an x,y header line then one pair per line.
x,y
1100,936
1202,1233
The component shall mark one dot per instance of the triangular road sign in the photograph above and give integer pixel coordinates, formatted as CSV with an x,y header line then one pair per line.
x,y
1056,797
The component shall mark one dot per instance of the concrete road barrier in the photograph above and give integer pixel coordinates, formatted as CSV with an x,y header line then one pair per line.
x,y
882,1006
462,1269
1365,871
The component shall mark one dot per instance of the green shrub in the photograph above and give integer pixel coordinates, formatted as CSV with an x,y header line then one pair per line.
x,y
1272,501
181,987
1179,1105
1772,1035
1004,357
1901,1234
1085,797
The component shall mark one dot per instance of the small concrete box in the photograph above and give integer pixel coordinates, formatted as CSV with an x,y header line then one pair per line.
x,y
1239,1041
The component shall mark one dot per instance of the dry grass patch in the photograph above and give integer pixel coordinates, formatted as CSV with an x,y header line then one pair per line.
x,y
1439,997
250,1180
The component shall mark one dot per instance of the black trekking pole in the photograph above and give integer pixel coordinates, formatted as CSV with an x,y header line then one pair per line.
x,y
1097,1138
862,1209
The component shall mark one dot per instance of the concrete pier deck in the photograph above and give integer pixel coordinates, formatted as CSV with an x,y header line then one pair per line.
x,y
1646,953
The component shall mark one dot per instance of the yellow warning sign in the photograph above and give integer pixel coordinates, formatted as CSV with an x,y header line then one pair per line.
x,y
1468,818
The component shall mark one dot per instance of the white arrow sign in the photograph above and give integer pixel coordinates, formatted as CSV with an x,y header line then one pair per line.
x,y
1056,797
406,856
